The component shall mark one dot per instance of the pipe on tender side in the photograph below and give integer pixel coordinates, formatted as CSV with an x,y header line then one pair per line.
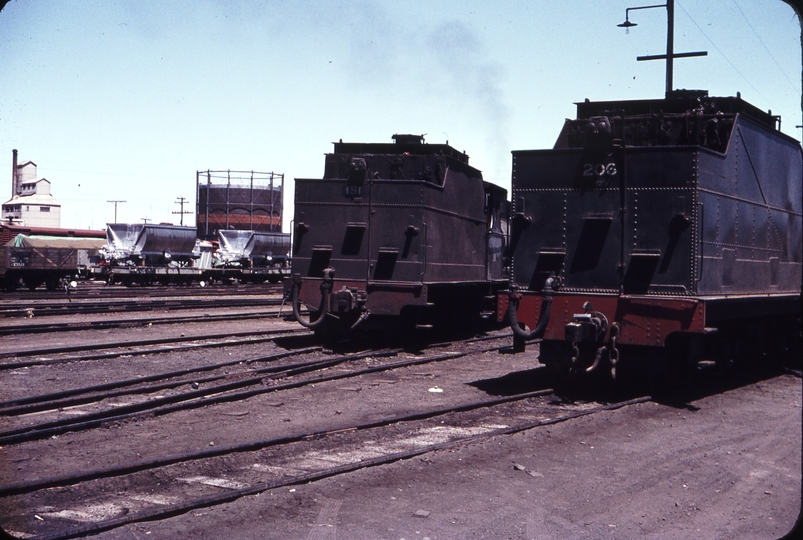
x,y
543,318
326,291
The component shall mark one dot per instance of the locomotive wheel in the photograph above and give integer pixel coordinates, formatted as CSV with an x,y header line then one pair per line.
x,y
786,341
555,355
637,369
772,341
332,330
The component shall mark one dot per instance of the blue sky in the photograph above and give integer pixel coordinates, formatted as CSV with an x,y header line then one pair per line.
x,y
126,100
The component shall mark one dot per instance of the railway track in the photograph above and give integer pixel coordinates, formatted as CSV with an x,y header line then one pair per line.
x,y
205,386
89,290
114,485
294,459
61,354
18,309
141,321
219,387
179,423
284,459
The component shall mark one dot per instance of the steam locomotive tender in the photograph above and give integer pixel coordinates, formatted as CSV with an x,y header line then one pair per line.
x,y
657,231
404,229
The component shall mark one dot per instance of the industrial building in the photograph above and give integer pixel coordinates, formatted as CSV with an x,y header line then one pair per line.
x,y
31,203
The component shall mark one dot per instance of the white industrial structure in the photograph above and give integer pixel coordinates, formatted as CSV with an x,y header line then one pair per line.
x,y
31,203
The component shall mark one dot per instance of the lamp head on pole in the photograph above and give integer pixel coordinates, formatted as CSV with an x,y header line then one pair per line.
x,y
627,24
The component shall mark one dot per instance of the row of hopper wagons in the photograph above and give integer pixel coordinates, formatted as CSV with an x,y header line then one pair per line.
x,y
144,255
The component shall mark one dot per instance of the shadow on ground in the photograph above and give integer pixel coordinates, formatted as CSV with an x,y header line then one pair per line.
x,y
679,393
519,382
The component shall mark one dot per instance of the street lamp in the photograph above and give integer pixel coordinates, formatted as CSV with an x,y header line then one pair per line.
x,y
670,40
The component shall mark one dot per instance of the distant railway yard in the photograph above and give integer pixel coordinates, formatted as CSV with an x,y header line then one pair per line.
x,y
169,412
605,343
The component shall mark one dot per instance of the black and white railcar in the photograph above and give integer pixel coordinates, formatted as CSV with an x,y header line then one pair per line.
x,y
147,254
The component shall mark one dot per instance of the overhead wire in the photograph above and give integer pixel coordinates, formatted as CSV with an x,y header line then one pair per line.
x,y
762,44
722,53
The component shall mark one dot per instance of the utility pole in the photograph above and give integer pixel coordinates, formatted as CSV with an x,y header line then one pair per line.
x,y
670,41
180,201
115,208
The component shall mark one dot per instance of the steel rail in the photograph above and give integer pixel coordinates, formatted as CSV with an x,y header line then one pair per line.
x,y
168,404
160,350
76,308
142,465
166,511
67,398
114,345
218,394
117,323
54,399
101,291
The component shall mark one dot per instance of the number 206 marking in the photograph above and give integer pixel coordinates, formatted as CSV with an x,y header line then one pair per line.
x,y
600,169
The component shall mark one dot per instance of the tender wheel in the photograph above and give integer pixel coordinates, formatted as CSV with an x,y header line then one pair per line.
x,y
555,355
32,283
11,283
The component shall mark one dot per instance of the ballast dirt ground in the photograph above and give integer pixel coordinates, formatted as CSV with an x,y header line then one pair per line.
x,y
720,459
724,466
